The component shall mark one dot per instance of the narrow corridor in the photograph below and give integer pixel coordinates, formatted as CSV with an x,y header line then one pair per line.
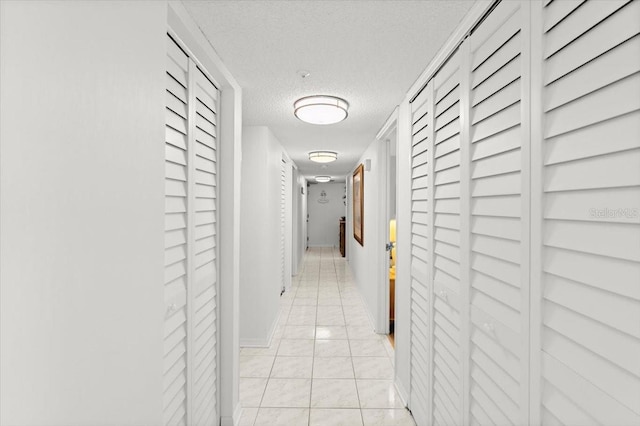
x,y
325,365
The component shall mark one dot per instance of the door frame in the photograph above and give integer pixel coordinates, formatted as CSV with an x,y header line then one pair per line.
x,y
389,130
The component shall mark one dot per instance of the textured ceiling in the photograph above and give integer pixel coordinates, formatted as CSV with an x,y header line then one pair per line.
x,y
368,52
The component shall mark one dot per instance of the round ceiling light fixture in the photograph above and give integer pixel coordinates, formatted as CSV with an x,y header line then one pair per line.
x,y
323,156
321,109
323,179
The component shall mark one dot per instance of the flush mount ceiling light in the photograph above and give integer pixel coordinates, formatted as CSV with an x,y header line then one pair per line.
x,y
321,109
323,179
323,156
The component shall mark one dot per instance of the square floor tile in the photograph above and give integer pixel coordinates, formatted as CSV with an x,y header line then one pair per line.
x,y
295,347
378,394
330,315
335,332
372,367
299,332
251,391
248,416
255,365
333,368
302,319
282,417
362,333
328,294
303,310
388,417
326,348
307,292
365,348
292,367
334,393
305,301
287,393
335,417
329,301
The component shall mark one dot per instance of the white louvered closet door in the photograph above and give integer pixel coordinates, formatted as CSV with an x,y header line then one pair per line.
x,y
499,218
421,198
204,324
176,237
190,370
589,352
448,290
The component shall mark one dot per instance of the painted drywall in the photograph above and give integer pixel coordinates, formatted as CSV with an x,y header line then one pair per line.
x,y
299,220
402,323
365,259
82,202
325,206
260,261
288,223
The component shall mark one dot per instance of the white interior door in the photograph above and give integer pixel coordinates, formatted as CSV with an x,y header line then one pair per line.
x,y
190,370
447,290
499,216
420,261
588,302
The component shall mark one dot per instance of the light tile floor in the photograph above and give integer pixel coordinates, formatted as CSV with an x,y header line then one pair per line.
x,y
325,365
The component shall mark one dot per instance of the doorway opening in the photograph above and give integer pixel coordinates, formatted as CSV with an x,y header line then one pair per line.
x,y
391,233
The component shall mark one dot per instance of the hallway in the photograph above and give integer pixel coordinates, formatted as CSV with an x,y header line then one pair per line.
x,y
325,365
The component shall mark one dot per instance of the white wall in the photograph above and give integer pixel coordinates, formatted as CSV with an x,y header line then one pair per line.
x,y
82,201
402,322
365,260
299,219
304,236
260,273
325,213
288,224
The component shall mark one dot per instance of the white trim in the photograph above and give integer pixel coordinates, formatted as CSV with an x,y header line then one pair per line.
x,y
389,125
184,28
525,175
479,9
536,218
262,343
384,286
402,324
191,224
379,250
431,254
233,420
402,392
465,231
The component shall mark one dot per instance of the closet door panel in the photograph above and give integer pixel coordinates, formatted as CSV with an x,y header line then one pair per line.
x,y
205,286
499,217
190,288
447,364
590,182
421,254
176,235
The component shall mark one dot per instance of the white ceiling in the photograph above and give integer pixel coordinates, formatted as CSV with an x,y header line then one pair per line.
x,y
368,52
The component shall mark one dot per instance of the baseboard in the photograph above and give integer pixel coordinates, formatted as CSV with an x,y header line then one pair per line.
x,y
404,395
235,419
262,343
